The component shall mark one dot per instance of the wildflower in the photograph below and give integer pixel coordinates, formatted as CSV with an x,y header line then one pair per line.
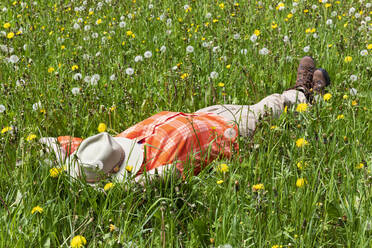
x,y
99,21
102,127
274,25
74,67
301,165
354,103
223,168
285,39
360,166
214,75
147,54
345,97
184,75
163,49
76,26
130,33
263,51
364,52
108,186
329,22
187,8
138,58
75,91
369,47
301,182
94,79
244,51
129,168
302,107
6,25
353,78
327,96
273,127
219,181
129,71
257,32
340,117
348,59
228,66
77,76
220,84
236,36
353,91
258,187
37,209
78,241
31,137
51,69
112,227
253,37
306,49
55,171
189,49
277,246
280,6
301,142
221,5
10,35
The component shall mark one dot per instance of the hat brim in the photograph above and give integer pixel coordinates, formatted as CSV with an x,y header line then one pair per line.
x,y
133,157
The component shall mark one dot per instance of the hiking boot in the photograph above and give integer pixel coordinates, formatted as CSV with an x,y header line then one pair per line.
x,y
320,80
305,73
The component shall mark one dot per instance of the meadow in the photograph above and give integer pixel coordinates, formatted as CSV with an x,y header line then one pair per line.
x,y
68,66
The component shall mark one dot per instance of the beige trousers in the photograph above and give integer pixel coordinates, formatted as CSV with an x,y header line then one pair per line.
x,y
247,116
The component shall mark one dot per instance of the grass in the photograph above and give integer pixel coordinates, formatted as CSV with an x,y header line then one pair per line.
x,y
333,208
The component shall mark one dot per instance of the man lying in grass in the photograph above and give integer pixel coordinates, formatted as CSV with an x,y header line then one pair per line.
x,y
168,141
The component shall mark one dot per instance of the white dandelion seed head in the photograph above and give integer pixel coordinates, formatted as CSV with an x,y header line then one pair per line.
x,y
36,106
368,5
186,7
13,59
147,54
76,26
151,6
87,79
122,18
367,19
294,4
174,68
75,91
86,56
244,51
169,22
163,49
129,71
113,77
353,78
85,2
122,24
138,58
315,35
351,10
334,13
168,32
286,39
314,6
214,75
306,49
237,36
86,27
94,79
2,108
263,51
353,91
189,49
293,11
357,15
162,17
79,20
129,16
98,54
329,22
364,52
95,35
208,15
253,38
215,49
77,76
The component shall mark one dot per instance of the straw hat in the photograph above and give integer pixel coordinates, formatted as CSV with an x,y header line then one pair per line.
x,y
102,155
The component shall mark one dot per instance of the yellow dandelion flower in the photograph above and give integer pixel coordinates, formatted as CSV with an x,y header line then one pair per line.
x,y
112,227
277,246
228,66
285,109
10,35
184,75
348,59
99,21
301,142
354,103
74,67
360,166
55,171
223,168
302,107
340,117
6,129
327,97
221,5
290,15
257,32
101,127
280,6
6,25
78,241
274,25
129,168
219,181
31,137
369,47
301,182
301,165
220,84
51,69
129,33
273,127
306,11
108,186
37,209
345,97
258,187
327,5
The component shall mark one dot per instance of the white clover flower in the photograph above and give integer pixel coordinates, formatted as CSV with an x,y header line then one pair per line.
x,y
36,106
263,51
333,13
95,35
286,39
86,27
113,77
151,6
87,79
208,15
163,49
214,75
236,36
351,10
189,49
147,54
364,52
244,51
353,78
253,38
75,91
13,59
329,22
306,49
94,79
2,108
129,71
215,49
353,91
138,58
76,26
122,24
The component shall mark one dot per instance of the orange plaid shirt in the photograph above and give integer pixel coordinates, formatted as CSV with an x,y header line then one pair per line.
x,y
179,138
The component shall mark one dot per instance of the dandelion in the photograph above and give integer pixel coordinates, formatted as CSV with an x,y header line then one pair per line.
x,y
77,76
306,49
348,59
112,227
369,47
256,32
76,26
340,117
122,24
286,39
51,69
108,186
301,142
37,209
258,187
329,22
353,78
36,106
138,58
353,91
302,107
30,137
55,172
253,38
147,54
301,182
163,49
244,51
6,129
189,49
327,96
215,49
86,27
345,97
360,166
277,246
187,8
94,79
214,75
364,52
273,127
354,103
223,168
13,59
129,71
99,21
301,165
113,77
74,67
236,36
280,6
184,75
129,168
6,25
263,51
274,25
10,35
75,91
78,241
219,181
102,127
220,84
